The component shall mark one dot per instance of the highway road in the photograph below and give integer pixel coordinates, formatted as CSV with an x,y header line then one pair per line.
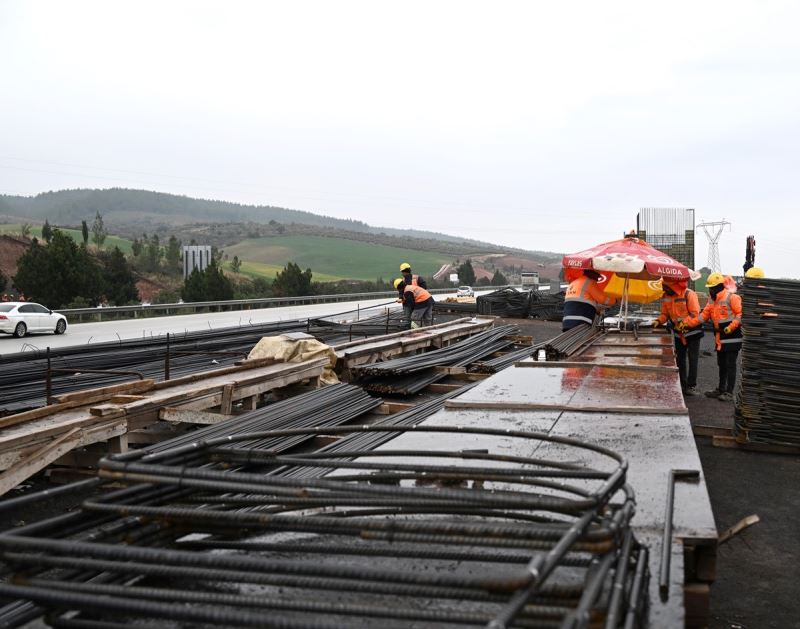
x,y
83,333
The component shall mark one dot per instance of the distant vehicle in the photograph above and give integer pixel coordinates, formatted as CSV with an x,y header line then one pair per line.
x,y
530,278
20,317
465,291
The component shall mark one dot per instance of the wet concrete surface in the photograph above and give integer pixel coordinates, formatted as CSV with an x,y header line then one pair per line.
x,y
758,571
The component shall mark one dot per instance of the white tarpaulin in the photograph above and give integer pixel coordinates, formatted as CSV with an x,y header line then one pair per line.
x,y
297,348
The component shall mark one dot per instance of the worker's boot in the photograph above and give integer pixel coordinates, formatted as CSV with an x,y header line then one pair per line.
x,y
713,393
725,397
690,392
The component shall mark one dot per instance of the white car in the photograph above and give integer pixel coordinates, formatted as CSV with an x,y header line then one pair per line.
x,y
464,291
20,317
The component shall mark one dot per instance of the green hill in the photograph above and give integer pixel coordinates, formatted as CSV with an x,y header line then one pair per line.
x,y
331,258
137,211
75,234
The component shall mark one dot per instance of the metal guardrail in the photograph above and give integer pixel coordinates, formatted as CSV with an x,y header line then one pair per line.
x,y
77,315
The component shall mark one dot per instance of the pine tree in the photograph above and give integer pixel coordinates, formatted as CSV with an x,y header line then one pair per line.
x,y
47,232
99,232
292,282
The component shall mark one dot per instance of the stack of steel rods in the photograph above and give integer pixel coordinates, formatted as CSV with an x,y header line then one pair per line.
x,y
506,360
419,533
506,302
767,397
449,355
411,374
569,342
331,405
546,306
463,308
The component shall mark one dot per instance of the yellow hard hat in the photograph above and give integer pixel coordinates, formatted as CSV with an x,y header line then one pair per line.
x,y
399,281
715,279
754,271
405,266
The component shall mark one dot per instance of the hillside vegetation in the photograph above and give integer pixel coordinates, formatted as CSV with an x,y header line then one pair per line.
x,y
334,257
136,211
36,232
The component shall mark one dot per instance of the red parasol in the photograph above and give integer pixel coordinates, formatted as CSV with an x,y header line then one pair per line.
x,y
629,257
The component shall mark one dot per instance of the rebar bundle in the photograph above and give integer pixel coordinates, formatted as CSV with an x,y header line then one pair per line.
x,y
506,302
415,532
569,342
411,374
506,360
768,394
546,306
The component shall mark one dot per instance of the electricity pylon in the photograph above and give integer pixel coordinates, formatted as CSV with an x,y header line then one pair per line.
x,y
713,230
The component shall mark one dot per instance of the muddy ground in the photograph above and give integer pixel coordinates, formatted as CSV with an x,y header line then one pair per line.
x,y
758,571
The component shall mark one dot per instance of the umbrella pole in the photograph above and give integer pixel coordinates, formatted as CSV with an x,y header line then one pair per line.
x,y
623,309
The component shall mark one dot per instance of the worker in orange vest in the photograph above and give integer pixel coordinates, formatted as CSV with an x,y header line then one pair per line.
x,y
410,278
584,300
678,304
724,309
418,300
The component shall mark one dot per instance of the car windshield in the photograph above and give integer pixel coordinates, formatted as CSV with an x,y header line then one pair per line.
x,y
6,307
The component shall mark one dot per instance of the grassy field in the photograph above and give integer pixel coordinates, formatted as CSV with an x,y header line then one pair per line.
x,y
331,258
256,270
75,234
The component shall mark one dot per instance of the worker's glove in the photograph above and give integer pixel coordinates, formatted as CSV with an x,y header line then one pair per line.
x,y
656,323
728,329
681,327
399,301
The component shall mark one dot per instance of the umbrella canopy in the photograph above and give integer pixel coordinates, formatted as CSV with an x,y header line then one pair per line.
x,y
629,268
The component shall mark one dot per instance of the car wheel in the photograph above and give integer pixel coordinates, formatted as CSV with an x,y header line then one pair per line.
x,y
21,330
61,326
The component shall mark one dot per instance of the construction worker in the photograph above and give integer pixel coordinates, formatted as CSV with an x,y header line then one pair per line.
x,y
679,303
724,309
755,272
584,300
418,300
410,278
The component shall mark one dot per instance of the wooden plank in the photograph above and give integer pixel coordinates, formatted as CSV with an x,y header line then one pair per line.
x,y
450,370
722,441
106,410
36,413
226,406
590,365
122,399
172,414
387,408
90,396
530,406
701,430
521,339
697,600
469,377
394,335
37,461
250,403
437,387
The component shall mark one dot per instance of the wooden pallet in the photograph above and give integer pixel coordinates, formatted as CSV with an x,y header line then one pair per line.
x,y
729,441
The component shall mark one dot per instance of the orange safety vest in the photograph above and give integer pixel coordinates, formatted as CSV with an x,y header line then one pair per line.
x,y
725,311
420,294
583,301
677,308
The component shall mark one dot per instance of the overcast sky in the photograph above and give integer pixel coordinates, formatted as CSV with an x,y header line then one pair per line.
x,y
543,125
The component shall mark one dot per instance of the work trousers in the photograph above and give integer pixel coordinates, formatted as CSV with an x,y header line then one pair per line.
x,y
726,361
422,314
407,316
691,351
